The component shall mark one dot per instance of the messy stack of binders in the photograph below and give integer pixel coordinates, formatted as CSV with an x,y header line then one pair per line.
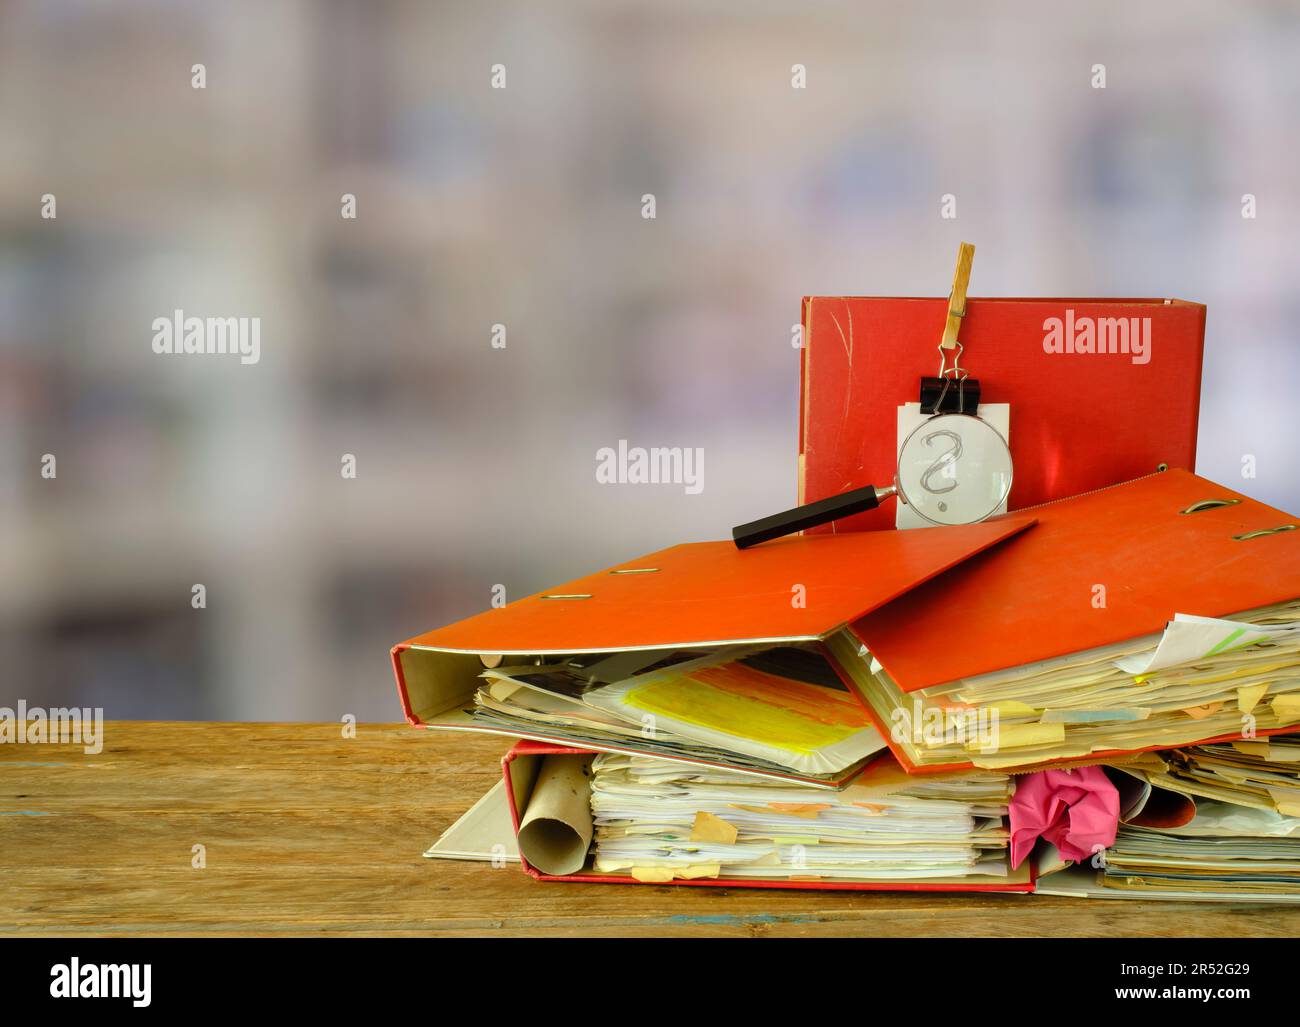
x,y
1007,642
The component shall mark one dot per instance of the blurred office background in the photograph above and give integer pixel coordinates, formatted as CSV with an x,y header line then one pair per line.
x,y
522,206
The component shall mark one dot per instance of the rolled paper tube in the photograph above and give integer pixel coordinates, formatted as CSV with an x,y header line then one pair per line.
x,y
555,832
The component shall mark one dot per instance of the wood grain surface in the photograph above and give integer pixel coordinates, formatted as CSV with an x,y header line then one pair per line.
x,y
307,832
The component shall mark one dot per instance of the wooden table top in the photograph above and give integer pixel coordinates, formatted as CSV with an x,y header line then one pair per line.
x,y
307,832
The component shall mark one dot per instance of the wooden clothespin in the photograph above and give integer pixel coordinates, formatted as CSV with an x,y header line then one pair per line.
x,y
938,396
957,297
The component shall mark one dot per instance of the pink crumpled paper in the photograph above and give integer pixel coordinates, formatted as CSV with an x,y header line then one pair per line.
x,y
1075,810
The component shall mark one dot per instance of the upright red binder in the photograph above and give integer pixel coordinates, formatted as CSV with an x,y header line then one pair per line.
x,y
1100,390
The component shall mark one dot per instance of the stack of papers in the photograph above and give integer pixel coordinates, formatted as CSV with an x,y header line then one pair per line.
x,y
1225,850
703,714
1261,774
781,710
1194,681
657,821
1239,843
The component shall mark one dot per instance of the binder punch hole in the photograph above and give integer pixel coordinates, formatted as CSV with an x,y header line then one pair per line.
x,y
1248,535
1209,504
568,595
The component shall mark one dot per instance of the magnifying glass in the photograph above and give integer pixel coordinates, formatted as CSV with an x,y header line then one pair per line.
x,y
952,469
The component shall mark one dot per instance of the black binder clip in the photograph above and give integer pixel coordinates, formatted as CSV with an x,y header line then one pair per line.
x,y
947,395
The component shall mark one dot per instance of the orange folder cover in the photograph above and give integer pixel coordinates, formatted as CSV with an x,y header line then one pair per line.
x,y
693,595
1167,543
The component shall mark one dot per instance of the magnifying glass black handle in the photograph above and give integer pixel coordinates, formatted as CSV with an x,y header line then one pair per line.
x,y
809,516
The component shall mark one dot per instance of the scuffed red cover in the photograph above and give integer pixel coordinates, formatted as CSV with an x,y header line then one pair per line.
x,y
1078,421
527,748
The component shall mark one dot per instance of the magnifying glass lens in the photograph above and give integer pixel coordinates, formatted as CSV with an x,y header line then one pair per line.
x,y
954,469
